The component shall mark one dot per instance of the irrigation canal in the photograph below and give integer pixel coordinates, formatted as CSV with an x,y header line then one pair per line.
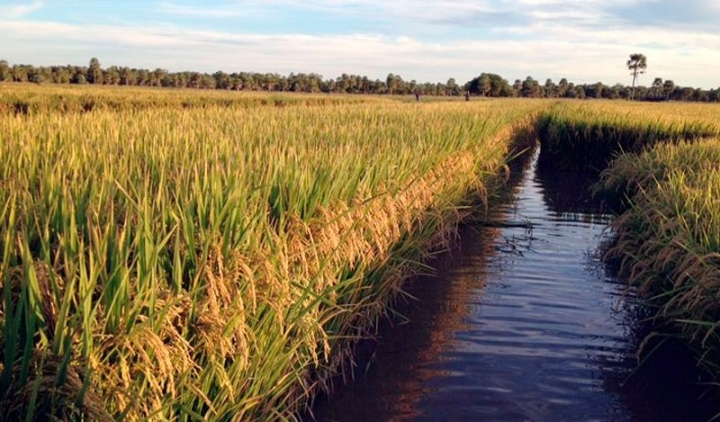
x,y
521,323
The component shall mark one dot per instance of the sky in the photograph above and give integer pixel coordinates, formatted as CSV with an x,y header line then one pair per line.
x,y
585,41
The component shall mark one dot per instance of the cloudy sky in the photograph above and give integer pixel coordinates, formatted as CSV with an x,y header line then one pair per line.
x,y
583,40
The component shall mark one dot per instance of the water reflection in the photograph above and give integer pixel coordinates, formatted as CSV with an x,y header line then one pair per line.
x,y
402,360
667,386
521,323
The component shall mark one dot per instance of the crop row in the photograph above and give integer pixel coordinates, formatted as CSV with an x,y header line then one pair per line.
x,y
219,262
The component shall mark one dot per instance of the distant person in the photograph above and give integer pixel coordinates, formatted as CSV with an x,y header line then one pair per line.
x,y
417,96
467,95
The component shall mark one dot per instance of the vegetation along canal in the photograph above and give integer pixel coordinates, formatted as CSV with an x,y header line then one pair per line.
x,y
522,322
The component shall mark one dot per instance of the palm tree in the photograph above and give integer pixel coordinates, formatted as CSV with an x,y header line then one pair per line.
x,y
637,65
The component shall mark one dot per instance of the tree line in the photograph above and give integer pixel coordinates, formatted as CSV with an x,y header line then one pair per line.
x,y
486,84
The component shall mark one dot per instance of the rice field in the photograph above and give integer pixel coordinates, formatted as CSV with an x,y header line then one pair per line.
x,y
189,255
586,136
213,256
32,99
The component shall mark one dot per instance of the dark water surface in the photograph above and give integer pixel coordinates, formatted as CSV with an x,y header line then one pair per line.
x,y
521,323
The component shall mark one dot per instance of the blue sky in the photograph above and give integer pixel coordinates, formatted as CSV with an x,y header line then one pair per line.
x,y
583,40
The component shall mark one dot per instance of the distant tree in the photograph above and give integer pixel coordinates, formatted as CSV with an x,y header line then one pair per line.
x,y
579,92
194,80
714,95
550,89
530,88
485,84
668,88
657,88
637,65
170,81
145,77
78,78
598,90
700,95
35,75
126,76
365,85
18,73
270,81
685,93
4,71
517,85
207,82
111,75
618,91
315,81
452,87
430,88
489,85
156,76
391,83
60,74
412,86
222,80
642,92
562,87
94,72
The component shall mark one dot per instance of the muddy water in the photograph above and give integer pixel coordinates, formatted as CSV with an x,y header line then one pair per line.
x,y
520,323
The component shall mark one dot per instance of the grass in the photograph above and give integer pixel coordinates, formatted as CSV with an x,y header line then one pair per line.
x,y
668,240
586,136
24,99
217,261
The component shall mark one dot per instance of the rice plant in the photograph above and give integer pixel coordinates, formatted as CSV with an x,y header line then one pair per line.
x,y
586,136
32,99
217,261
668,241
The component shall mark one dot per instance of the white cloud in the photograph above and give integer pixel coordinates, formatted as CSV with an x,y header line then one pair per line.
x,y
207,11
556,52
19,10
549,39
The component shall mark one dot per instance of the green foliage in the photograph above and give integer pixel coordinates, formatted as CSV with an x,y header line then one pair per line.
x,y
487,84
490,85
4,71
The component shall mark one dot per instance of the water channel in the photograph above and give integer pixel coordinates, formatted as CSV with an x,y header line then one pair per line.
x,y
521,322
